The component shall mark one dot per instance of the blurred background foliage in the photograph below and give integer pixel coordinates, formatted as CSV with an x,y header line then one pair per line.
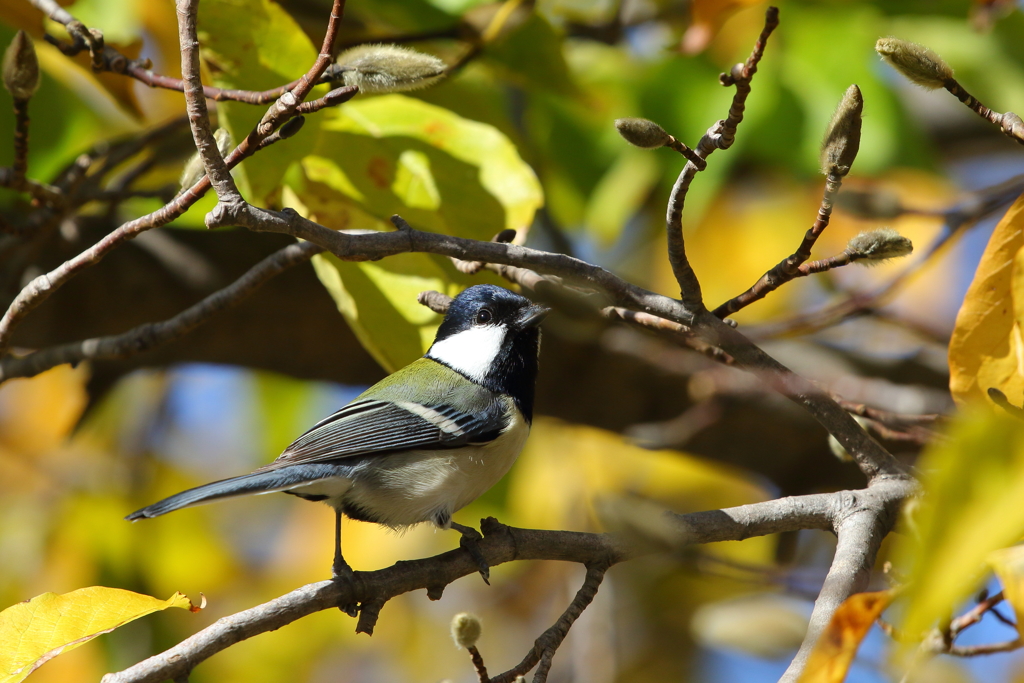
x,y
520,136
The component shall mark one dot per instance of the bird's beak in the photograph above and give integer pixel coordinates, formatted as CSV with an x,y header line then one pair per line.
x,y
532,316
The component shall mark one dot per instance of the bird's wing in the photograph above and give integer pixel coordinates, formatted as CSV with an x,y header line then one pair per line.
x,y
374,426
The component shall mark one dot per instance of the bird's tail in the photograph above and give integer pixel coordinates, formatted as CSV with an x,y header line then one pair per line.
x,y
258,482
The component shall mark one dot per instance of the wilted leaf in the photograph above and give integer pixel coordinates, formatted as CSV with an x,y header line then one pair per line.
x,y
832,655
1008,564
256,45
970,506
987,350
39,629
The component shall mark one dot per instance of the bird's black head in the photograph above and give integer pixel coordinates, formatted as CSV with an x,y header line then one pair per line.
x,y
491,336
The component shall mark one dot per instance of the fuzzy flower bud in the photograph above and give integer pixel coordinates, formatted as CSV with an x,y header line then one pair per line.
x,y
21,67
642,133
916,62
465,630
389,68
842,139
194,169
879,245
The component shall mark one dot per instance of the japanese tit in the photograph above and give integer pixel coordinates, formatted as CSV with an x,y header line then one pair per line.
x,y
422,443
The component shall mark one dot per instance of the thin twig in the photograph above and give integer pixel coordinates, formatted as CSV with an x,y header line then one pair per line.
x,y
791,267
478,664
958,217
545,646
1009,123
21,123
195,104
985,649
48,194
719,136
152,335
41,288
110,59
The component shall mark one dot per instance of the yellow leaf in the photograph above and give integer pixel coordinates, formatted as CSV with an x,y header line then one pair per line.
x,y
837,645
378,301
1008,564
970,506
37,630
987,349
38,413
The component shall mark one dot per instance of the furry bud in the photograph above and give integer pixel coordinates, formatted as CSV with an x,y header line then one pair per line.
x,y
916,62
21,67
389,68
465,630
642,133
194,169
842,139
879,245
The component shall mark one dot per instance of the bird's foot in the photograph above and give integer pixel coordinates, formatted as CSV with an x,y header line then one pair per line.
x,y
341,571
471,543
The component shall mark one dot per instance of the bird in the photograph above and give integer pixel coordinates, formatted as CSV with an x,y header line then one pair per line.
x,y
423,442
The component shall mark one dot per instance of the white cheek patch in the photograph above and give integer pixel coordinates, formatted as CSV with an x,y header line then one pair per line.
x,y
472,351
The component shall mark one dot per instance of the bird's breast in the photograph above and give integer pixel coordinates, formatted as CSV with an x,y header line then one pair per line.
x,y
407,488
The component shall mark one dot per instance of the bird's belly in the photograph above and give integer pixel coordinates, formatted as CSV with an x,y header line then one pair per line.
x,y
407,488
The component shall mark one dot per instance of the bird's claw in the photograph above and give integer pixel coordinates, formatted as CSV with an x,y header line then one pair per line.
x,y
470,542
341,571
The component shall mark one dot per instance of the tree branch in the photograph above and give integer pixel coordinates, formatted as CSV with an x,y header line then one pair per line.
x,y
505,544
873,460
861,529
1009,123
545,646
41,288
195,104
790,267
966,212
152,335
112,60
719,136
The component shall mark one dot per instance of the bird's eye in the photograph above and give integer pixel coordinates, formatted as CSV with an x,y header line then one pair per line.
x,y
484,316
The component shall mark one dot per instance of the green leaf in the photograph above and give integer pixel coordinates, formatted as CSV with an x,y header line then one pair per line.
x,y
37,630
970,506
379,302
256,45
395,154
443,173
